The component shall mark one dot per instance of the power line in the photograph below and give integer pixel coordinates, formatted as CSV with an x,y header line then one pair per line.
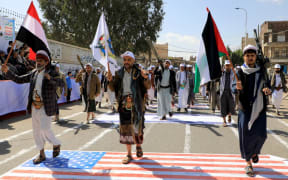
x,y
280,32
176,50
180,47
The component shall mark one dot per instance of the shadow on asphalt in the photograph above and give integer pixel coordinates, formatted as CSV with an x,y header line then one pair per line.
x,y
5,147
280,133
210,127
158,169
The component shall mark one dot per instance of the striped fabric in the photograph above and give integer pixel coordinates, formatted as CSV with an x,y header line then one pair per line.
x,y
32,33
170,166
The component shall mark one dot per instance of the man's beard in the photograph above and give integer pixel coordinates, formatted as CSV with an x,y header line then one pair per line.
x,y
128,66
39,68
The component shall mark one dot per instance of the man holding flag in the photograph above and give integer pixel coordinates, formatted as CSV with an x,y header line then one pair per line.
x,y
43,80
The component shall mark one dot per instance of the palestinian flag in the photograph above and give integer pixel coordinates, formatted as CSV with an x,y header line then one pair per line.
x,y
207,65
32,33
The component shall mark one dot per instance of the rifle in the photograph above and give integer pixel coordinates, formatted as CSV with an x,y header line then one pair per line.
x,y
262,61
154,51
79,60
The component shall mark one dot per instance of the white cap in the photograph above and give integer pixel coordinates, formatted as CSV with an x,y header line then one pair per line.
x,y
43,53
167,60
227,62
152,66
89,64
149,68
189,66
171,67
129,54
249,47
182,65
98,68
238,67
58,65
277,66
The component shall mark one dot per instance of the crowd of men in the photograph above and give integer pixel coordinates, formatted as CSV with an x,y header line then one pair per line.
x,y
19,61
133,88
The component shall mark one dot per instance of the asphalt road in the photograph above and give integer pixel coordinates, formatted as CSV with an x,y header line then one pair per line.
x,y
198,131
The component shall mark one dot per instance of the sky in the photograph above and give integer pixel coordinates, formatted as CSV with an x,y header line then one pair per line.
x,y
184,20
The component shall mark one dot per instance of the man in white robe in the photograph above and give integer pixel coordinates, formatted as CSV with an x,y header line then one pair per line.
x,y
101,79
42,101
278,86
183,88
151,91
166,88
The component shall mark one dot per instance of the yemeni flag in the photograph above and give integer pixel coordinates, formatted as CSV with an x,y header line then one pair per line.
x,y
207,65
32,33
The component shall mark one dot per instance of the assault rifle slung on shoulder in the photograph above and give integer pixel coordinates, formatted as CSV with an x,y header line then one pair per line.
x,y
262,61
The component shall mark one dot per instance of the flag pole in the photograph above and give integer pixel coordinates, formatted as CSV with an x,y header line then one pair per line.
x,y
237,79
108,66
9,54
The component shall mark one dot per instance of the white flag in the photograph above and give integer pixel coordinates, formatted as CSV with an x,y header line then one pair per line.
x,y
101,46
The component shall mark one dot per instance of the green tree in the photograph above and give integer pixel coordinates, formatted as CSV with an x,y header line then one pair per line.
x,y
236,56
130,22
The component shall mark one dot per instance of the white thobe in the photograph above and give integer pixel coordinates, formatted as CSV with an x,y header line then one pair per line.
x,y
41,123
112,98
164,97
277,95
183,90
151,91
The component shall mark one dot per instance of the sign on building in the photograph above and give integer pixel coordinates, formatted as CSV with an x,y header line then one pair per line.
x,y
7,32
56,51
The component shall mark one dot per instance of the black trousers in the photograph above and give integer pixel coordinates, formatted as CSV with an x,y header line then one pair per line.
x,y
68,95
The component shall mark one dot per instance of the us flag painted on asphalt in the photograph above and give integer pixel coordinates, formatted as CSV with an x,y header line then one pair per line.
x,y
172,166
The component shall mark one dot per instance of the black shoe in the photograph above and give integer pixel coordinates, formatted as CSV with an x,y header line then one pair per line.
x,y
99,104
170,114
186,110
163,118
178,109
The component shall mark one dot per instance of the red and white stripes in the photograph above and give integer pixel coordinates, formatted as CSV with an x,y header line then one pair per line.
x,y
31,31
172,166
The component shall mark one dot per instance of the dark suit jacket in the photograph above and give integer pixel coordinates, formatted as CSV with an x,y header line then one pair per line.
x,y
48,88
158,77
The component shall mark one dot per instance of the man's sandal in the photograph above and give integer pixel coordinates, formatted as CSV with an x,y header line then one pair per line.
x,y
139,152
255,159
39,159
224,124
127,159
249,171
56,151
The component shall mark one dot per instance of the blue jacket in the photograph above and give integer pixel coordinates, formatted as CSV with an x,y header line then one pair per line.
x,y
68,80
